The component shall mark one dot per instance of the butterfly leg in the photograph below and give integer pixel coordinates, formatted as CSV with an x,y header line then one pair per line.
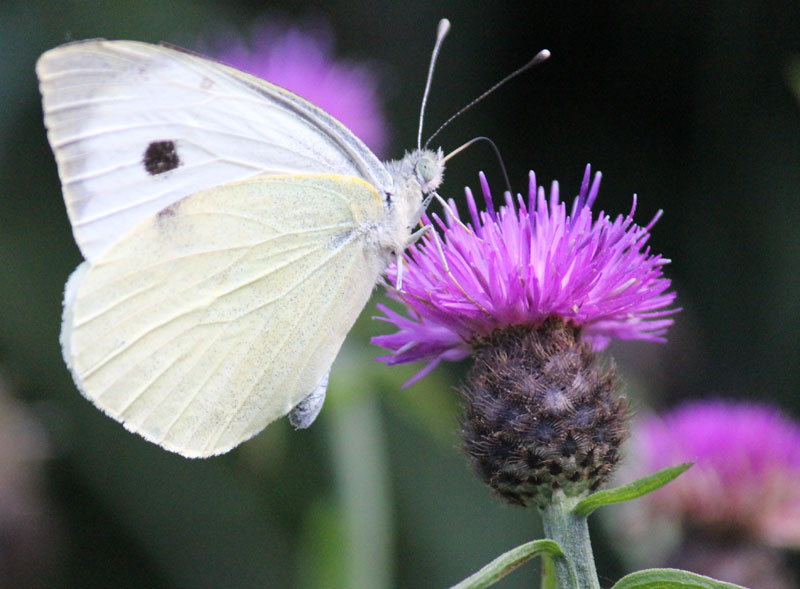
x,y
429,227
424,207
445,266
450,212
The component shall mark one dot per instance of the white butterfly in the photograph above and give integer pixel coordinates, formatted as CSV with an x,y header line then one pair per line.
x,y
232,234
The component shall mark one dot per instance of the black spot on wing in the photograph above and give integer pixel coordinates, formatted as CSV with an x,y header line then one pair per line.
x,y
160,157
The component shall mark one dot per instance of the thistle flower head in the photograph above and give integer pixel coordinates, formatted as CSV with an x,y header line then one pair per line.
x,y
746,477
301,59
531,291
523,264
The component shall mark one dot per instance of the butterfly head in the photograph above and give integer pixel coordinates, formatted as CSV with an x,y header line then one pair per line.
x,y
415,176
428,169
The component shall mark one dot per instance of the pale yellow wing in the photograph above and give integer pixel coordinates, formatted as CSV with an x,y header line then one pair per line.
x,y
220,314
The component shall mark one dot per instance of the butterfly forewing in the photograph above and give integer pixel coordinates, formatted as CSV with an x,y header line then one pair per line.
x,y
217,316
136,127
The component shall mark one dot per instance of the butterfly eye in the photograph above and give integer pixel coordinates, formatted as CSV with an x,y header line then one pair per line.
x,y
426,170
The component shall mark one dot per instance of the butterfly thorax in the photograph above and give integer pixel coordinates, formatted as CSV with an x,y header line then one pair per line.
x,y
415,176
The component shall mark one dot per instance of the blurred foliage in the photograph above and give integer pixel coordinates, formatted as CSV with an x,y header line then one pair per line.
x,y
686,103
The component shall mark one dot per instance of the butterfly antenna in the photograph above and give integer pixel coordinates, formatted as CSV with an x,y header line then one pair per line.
x,y
441,33
538,58
497,153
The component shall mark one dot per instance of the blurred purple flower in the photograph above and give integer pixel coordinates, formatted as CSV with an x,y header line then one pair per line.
x,y
524,264
746,477
29,523
302,60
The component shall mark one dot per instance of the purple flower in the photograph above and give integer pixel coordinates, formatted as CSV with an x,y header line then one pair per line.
x,y
303,62
746,476
521,265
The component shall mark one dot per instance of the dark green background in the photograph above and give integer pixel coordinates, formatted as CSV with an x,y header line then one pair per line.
x,y
685,103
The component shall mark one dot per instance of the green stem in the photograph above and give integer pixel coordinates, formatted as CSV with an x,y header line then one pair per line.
x,y
360,457
571,531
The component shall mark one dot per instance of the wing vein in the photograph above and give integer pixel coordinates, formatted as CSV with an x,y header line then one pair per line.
x,y
85,320
88,372
222,428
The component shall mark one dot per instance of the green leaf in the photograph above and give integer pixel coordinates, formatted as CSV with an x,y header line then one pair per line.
x,y
670,579
549,578
508,561
632,490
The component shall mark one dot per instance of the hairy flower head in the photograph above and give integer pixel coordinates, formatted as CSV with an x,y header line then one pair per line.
x,y
746,477
531,291
522,264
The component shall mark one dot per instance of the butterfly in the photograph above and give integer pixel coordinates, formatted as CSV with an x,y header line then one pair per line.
x,y
232,233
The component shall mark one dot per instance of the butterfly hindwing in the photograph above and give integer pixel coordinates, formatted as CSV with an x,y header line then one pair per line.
x,y
213,318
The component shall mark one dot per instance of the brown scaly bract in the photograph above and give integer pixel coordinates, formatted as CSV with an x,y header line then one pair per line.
x,y
541,413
